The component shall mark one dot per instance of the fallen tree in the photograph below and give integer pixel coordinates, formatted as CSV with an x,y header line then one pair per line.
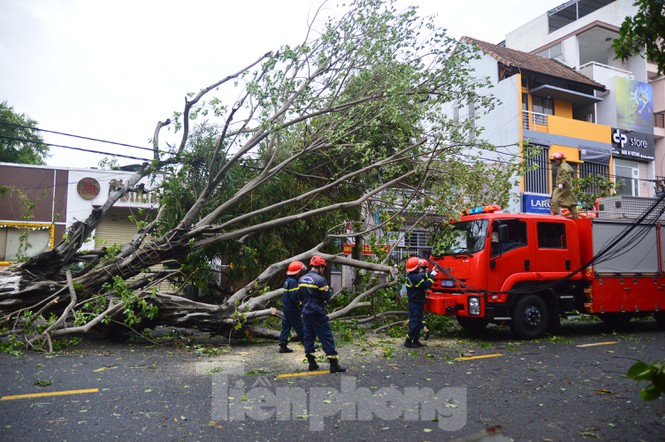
x,y
347,124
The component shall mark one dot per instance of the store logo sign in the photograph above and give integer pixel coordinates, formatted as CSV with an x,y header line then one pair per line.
x,y
619,138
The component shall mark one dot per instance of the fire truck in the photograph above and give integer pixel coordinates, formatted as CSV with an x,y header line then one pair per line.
x,y
530,270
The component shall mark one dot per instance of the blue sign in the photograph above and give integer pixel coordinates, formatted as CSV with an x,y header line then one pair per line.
x,y
532,203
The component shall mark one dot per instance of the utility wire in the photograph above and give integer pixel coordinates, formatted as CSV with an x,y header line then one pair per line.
x,y
25,140
6,123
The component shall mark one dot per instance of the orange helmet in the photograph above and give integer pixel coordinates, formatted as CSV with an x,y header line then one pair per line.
x,y
295,267
317,261
412,264
557,156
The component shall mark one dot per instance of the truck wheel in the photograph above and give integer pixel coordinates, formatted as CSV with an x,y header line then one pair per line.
x,y
530,317
472,325
660,319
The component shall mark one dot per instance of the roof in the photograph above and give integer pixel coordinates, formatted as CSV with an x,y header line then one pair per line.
x,y
535,63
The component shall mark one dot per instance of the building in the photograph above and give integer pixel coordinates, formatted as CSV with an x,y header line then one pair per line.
x,y
544,107
579,34
41,202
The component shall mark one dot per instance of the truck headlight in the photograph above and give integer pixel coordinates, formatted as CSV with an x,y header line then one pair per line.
x,y
474,306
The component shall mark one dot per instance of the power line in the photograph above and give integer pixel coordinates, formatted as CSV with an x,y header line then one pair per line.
x,y
7,123
25,140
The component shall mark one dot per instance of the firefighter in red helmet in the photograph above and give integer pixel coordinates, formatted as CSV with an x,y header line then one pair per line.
x,y
563,196
315,293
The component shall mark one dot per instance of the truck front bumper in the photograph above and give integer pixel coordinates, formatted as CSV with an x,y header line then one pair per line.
x,y
445,304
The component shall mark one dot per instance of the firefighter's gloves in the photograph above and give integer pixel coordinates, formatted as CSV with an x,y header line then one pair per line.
x,y
432,273
560,186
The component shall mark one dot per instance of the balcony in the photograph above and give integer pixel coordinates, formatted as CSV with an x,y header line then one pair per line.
x,y
568,127
602,73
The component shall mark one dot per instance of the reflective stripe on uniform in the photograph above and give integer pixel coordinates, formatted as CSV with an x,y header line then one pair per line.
x,y
314,286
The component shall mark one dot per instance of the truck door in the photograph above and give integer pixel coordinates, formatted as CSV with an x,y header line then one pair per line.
x,y
509,251
553,247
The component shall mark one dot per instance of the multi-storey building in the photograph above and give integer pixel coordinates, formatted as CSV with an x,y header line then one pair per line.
x,y
542,104
579,34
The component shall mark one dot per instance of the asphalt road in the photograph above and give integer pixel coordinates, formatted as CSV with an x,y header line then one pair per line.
x,y
562,388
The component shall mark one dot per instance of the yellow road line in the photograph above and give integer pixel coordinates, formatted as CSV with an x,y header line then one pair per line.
x,y
469,358
596,343
51,393
302,373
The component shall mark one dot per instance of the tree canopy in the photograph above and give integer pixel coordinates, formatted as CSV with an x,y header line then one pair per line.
x,y
274,162
20,141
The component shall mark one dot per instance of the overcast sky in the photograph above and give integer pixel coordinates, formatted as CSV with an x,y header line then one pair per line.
x,y
111,69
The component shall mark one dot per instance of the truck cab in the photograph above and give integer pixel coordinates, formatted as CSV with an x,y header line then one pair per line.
x,y
508,268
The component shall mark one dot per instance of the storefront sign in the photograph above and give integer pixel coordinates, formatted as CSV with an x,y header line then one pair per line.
x,y
88,188
633,145
533,203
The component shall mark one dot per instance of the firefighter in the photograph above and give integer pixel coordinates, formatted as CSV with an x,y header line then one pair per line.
x,y
563,196
291,306
418,280
315,293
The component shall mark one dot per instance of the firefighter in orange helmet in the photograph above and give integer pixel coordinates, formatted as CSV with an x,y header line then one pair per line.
x,y
291,306
418,280
563,196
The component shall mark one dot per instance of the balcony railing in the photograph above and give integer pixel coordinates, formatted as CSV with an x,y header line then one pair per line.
x,y
602,72
534,121
605,66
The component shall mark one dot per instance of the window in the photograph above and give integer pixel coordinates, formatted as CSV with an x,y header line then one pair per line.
x,y
552,52
541,108
588,169
536,180
467,237
414,243
551,235
626,176
19,241
525,111
513,236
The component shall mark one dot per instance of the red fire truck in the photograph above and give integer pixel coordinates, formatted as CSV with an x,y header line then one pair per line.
x,y
530,270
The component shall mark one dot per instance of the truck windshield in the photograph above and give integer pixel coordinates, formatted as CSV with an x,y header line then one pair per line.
x,y
467,237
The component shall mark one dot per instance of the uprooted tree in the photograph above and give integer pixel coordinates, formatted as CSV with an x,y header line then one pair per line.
x,y
348,124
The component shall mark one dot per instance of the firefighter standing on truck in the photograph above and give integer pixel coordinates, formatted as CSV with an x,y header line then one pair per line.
x,y
563,196
315,293
418,280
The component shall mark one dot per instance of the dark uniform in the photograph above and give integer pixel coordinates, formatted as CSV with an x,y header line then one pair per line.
x,y
291,307
417,284
315,292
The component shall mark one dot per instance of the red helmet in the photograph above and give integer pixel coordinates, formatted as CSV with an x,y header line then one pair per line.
x,y
317,261
295,267
557,156
412,263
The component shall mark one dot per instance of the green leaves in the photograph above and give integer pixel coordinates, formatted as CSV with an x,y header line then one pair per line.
x,y
643,32
20,141
653,373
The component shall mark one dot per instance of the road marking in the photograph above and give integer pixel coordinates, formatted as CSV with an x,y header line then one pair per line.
x,y
469,358
51,393
597,343
302,373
